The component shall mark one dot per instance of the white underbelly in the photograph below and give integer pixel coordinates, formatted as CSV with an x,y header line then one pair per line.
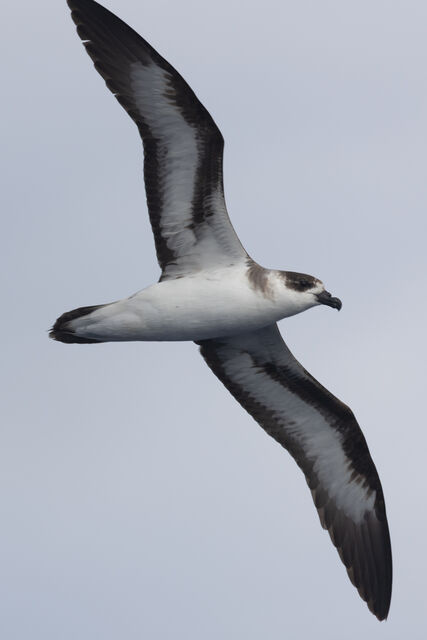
x,y
197,316
192,308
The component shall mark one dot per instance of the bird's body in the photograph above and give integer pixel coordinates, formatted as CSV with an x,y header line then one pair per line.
x,y
211,292
207,304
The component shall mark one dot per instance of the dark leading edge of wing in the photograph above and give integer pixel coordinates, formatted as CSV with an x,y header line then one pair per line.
x,y
183,147
323,436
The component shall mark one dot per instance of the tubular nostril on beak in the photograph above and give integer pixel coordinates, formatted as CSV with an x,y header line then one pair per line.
x,y
337,303
326,298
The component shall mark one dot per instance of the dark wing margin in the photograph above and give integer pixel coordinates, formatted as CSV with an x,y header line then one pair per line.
x,y
183,147
323,436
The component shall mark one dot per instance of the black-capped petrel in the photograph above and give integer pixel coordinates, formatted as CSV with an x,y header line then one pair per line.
x,y
211,292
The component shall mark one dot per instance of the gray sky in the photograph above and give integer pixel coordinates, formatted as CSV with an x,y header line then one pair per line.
x,y
138,499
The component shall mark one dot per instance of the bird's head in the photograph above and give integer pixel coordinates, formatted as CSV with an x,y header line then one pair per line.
x,y
310,291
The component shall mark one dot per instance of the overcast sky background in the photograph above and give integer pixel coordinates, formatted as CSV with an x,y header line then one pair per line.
x,y
138,500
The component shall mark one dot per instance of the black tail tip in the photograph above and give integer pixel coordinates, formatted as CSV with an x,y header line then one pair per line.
x,y
62,331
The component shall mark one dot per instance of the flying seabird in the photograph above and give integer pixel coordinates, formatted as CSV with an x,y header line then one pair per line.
x,y
211,292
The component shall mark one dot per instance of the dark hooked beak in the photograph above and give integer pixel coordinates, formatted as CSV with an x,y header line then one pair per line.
x,y
326,298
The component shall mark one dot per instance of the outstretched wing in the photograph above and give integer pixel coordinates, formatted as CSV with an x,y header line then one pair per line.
x,y
183,147
322,434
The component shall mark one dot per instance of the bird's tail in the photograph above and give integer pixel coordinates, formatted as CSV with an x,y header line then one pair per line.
x,y
63,331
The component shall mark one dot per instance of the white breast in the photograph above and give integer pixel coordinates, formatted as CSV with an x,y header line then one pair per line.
x,y
208,304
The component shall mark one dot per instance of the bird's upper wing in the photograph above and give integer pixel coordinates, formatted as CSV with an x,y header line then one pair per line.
x,y
322,434
183,147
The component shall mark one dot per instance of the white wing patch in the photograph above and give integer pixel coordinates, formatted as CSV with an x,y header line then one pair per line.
x,y
180,153
321,444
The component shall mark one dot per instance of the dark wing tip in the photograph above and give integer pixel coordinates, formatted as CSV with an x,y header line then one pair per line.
x,y
94,10
113,45
365,550
96,23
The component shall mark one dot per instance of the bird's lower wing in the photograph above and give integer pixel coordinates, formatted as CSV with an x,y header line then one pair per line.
x,y
323,436
183,147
